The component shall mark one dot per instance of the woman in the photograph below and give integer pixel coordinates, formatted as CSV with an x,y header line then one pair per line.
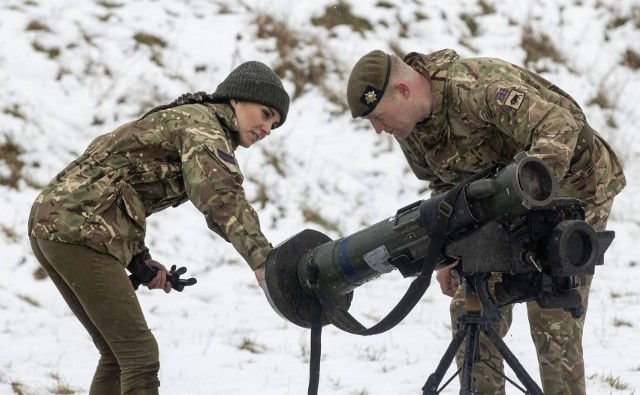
x,y
88,224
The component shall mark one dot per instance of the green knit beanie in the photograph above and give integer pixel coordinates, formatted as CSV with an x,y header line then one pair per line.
x,y
367,82
255,82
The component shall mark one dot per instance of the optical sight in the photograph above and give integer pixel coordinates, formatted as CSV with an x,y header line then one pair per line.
x,y
506,219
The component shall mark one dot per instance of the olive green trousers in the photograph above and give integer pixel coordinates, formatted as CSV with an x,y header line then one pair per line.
x,y
98,291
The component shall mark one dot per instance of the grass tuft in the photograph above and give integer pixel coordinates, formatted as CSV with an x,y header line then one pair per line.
x,y
10,158
341,14
305,71
539,46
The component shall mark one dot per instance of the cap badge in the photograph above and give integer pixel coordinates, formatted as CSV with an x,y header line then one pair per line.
x,y
370,97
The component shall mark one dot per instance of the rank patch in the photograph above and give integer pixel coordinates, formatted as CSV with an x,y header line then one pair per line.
x,y
228,160
226,157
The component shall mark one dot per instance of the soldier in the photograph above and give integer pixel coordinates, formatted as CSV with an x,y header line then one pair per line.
x,y
88,224
453,117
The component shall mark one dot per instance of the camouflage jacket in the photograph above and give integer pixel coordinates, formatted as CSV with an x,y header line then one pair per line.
x,y
102,199
486,110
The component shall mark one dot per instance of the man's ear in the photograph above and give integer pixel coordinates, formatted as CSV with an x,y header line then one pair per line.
x,y
403,90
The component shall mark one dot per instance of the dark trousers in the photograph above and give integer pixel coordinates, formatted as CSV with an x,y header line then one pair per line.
x,y
99,293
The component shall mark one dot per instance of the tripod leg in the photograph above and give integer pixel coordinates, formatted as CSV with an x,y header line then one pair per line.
x,y
434,380
524,377
470,353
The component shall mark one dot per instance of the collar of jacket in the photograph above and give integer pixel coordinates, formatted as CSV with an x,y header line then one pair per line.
x,y
227,118
435,67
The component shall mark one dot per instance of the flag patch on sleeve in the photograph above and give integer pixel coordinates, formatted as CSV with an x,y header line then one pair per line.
x,y
502,94
510,97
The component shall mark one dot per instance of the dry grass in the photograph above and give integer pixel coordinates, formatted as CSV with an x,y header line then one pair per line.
x,y
149,40
10,157
341,14
37,26
311,215
51,52
153,42
302,59
62,387
538,46
614,382
18,388
9,233
250,345
631,59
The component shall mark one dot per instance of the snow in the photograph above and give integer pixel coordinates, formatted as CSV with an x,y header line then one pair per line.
x,y
53,106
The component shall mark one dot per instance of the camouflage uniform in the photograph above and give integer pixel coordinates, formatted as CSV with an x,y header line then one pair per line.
x,y
89,222
485,111
101,200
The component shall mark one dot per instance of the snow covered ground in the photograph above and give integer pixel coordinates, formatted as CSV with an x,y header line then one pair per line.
x,y
72,70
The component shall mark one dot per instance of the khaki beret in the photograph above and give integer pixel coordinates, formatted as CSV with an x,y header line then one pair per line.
x,y
367,82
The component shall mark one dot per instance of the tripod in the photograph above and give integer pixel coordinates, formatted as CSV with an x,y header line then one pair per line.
x,y
470,324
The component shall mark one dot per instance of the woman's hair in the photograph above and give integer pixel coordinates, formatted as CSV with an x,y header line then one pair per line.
x,y
187,98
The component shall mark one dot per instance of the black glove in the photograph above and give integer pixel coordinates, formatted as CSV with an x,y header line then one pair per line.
x,y
176,282
142,273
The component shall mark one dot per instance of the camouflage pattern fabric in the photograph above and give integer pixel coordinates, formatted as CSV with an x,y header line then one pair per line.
x,y
485,111
102,198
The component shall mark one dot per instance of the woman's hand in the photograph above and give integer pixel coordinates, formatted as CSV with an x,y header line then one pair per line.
x,y
446,279
161,280
259,272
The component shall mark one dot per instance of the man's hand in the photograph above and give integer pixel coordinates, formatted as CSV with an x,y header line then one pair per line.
x,y
446,279
161,279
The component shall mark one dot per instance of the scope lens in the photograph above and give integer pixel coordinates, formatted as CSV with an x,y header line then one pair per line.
x,y
536,181
579,248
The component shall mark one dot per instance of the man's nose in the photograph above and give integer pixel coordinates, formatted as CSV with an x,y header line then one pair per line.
x,y
377,125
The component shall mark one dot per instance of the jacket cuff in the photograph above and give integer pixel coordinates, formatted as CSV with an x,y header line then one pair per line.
x,y
259,257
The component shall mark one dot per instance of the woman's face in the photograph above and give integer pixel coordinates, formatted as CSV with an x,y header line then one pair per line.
x,y
255,121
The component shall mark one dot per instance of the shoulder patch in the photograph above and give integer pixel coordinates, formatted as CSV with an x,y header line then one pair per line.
x,y
502,94
511,98
228,159
515,99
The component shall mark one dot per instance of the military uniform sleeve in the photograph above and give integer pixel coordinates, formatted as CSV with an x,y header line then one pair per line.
x,y
533,116
541,127
212,182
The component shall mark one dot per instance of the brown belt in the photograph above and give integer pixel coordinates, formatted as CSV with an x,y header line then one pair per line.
x,y
585,141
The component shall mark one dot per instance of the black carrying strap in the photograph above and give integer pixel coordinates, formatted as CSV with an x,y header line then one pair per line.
x,y
341,318
316,348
